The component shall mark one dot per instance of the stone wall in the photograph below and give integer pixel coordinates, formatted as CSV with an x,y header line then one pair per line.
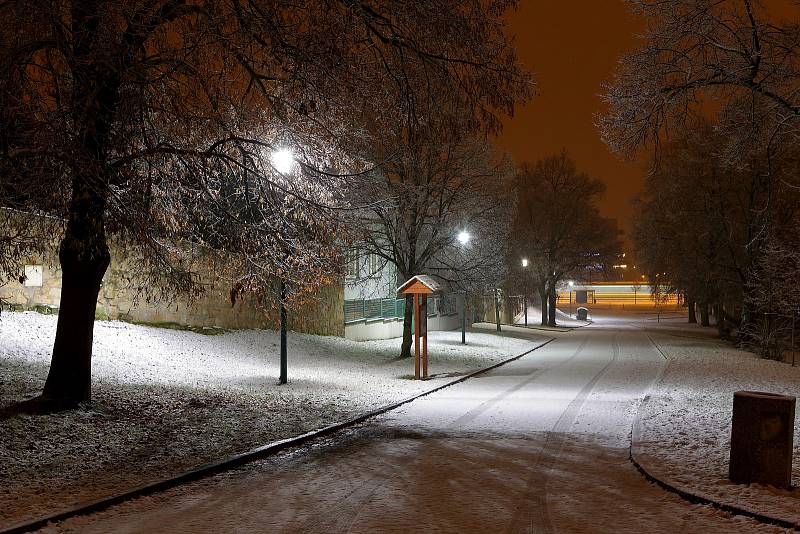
x,y
213,309
510,308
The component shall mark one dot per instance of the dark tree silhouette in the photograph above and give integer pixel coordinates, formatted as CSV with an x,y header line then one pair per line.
x,y
557,227
153,123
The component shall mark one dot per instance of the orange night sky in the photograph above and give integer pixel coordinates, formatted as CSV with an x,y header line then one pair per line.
x,y
572,48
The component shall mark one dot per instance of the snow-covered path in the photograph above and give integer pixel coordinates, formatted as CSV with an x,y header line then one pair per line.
x,y
538,445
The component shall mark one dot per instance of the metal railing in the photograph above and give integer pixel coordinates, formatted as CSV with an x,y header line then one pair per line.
x,y
373,309
368,309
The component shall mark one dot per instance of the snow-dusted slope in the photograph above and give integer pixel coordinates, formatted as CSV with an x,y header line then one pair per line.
x,y
167,400
686,425
538,445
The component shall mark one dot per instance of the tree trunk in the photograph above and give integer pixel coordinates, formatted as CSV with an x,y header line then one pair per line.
x,y
543,298
719,314
84,254
692,312
552,296
84,258
704,314
405,348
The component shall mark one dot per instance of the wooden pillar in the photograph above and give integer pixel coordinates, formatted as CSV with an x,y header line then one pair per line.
x,y
425,338
416,335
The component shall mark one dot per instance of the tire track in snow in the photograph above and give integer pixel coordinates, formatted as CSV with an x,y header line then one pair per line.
x,y
533,514
340,517
487,404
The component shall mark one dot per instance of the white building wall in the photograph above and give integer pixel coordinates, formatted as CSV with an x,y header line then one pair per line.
x,y
371,278
366,330
365,283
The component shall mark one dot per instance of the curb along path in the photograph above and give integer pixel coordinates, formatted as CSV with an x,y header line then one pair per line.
x,y
664,482
237,460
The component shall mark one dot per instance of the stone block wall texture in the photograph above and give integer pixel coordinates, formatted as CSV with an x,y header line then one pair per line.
x,y
325,315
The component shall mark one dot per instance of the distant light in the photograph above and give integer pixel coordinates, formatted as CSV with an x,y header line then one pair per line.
x,y
571,283
463,237
524,262
283,160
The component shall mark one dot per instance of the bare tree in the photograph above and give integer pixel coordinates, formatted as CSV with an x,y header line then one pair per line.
x,y
699,230
636,287
730,51
556,226
437,184
154,123
739,56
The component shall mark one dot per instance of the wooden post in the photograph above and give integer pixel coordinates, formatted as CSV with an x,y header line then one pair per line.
x,y
525,305
425,338
416,335
464,320
420,286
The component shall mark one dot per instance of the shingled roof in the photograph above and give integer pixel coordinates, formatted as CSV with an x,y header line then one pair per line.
x,y
423,283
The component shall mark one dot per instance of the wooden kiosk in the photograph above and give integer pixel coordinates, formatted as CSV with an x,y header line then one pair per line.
x,y
420,287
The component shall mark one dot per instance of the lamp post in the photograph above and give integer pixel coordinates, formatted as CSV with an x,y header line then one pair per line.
x,y
497,298
283,161
463,238
284,360
525,290
570,284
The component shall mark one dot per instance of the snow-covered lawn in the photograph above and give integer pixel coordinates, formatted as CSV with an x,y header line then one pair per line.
x,y
563,319
686,425
167,400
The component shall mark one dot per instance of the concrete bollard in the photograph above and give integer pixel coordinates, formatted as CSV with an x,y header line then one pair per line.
x,y
762,436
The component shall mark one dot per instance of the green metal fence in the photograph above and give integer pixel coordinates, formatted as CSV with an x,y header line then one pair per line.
x,y
372,309
368,309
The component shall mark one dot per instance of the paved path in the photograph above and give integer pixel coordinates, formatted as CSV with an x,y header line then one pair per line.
x,y
538,445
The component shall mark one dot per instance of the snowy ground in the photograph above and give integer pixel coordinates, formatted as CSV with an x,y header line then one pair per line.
x,y
537,445
686,426
167,400
563,319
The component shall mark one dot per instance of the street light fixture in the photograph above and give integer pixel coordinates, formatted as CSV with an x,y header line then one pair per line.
x,y
282,160
525,291
463,239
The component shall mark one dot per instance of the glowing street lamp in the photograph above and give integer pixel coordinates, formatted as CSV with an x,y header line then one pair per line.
x,y
463,238
525,291
282,160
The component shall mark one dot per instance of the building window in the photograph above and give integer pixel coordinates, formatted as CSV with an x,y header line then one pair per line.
x,y
352,264
374,264
33,276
